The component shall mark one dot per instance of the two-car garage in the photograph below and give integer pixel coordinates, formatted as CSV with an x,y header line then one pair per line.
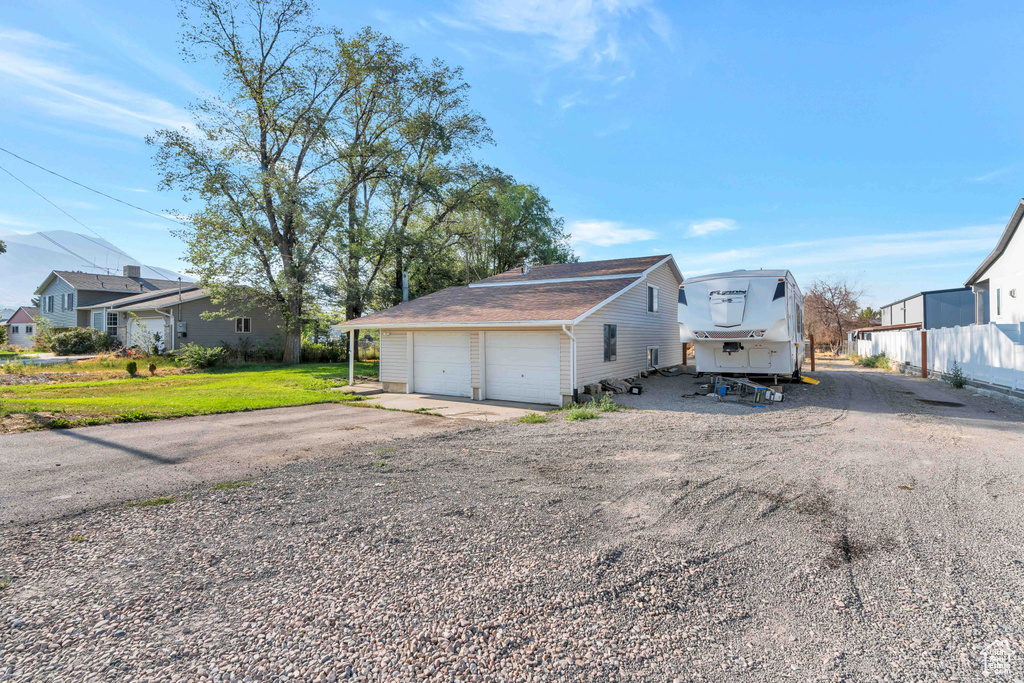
x,y
511,365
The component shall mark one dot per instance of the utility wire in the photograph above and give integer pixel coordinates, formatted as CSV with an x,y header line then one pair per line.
x,y
104,194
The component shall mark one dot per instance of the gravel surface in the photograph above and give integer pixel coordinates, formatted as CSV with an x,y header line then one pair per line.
x,y
853,532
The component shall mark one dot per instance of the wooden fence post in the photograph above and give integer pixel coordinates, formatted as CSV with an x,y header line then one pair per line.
x,y
686,351
924,353
812,353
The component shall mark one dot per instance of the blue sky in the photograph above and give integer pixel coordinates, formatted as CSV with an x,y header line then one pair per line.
x,y
882,143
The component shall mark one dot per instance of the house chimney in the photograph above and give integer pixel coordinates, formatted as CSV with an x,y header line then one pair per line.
x,y
132,271
405,285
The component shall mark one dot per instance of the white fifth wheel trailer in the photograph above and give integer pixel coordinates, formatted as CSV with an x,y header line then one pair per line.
x,y
746,322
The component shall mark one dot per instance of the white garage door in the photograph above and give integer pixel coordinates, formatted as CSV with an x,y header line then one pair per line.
x,y
523,366
441,363
141,331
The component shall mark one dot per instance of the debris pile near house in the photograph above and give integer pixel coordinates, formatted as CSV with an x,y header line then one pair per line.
x,y
742,389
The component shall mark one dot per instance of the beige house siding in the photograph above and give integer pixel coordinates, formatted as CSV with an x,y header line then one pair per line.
x,y
636,330
393,356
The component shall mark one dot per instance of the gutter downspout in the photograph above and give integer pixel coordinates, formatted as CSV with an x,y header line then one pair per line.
x,y
572,362
170,314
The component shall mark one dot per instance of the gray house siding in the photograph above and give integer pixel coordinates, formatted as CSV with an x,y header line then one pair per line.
x,y
60,317
89,298
266,327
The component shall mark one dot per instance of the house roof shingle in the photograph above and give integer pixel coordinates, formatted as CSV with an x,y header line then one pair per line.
x,y
148,296
25,314
557,271
138,303
549,302
94,282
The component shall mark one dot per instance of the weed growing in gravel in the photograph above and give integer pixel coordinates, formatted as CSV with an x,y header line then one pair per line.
x,y
956,378
605,404
578,412
231,485
879,360
534,418
134,416
4,583
76,538
382,463
152,502
59,423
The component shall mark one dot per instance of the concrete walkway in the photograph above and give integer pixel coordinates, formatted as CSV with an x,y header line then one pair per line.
x,y
456,407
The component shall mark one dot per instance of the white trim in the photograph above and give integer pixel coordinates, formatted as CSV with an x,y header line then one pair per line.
x,y
585,278
572,362
610,299
410,359
482,351
355,324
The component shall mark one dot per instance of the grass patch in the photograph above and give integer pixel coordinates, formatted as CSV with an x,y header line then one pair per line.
x,y
4,583
605,404
218,390
232,485
76,538
579,412
152,502
534,418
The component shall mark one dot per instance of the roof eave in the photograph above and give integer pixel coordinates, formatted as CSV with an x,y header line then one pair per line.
x,y
1004,241
358,325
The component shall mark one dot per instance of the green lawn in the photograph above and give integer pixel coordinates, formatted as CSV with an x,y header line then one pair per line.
x,y
220,390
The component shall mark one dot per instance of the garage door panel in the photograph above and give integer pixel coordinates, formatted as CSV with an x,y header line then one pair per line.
x,y
441,363
523,366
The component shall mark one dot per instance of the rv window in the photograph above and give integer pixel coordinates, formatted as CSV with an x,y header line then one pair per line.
x,y
682,296
652,299
610,342
780,290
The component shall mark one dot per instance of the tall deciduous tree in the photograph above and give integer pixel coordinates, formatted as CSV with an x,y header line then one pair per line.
x,y
830,309
277,157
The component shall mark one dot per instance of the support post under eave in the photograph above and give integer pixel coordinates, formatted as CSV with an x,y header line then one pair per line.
x,y
351,357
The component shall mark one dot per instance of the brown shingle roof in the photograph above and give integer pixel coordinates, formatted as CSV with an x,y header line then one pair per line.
x,y
556,301
168,299
149,296
620,266
112,283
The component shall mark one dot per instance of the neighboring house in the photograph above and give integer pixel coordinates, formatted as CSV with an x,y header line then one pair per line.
x,y
5,315
21,327
178,317
536,335
998,283
931,310
66,298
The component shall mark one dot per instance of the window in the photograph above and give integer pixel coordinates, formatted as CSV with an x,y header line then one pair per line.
x,y
682,295
780,290
112,323
49,304
652,356
243,325
999,302
70,301
28,329
652,299
610,342
14,329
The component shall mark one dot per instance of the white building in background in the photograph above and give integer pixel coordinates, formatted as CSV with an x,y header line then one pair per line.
x,y
999,280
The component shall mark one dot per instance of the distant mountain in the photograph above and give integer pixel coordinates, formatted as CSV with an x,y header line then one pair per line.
x,y
31,256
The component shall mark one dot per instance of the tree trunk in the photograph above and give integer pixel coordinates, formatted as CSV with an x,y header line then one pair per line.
x,y
399,267
293,333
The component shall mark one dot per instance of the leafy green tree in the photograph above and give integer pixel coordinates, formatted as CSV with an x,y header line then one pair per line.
x,y
276,159
3,247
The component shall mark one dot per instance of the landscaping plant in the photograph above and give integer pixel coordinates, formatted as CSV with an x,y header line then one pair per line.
x,y
955,378
132,367
199,357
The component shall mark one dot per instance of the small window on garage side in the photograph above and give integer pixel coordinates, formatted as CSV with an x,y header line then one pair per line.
x,y
652,356
243,325
610,342
652,299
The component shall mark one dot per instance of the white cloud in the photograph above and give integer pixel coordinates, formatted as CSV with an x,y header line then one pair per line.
x,y
607,233
702,228
34,72
570,29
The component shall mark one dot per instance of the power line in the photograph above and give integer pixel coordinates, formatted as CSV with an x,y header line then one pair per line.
x,y
104,194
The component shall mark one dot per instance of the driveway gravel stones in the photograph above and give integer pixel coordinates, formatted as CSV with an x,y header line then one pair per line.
x,y
644,545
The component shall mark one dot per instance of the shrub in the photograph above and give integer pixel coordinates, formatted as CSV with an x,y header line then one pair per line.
x,y
132,367
329,352
134,416
78,341
605,404
956,378
152,369
3,336
578,412
200,357
879,360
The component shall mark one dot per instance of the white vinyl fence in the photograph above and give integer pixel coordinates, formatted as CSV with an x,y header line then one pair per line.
x,y
984,353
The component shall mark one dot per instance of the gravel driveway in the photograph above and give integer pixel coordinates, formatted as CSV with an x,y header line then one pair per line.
x,y
853,532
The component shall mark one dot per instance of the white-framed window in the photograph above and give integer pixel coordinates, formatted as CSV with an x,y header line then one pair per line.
x,y
611,342
28,329
69,301
652,357
49,304
243,325
14,329
112,323
652,299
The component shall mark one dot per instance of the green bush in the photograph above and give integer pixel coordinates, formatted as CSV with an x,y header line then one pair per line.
x,y
879,360
956,378
330,352
78,341
605,404
200,357
132,367
578,412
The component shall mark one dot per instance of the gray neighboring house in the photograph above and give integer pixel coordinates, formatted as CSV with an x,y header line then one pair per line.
x,y
534,334
933,309
67,298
